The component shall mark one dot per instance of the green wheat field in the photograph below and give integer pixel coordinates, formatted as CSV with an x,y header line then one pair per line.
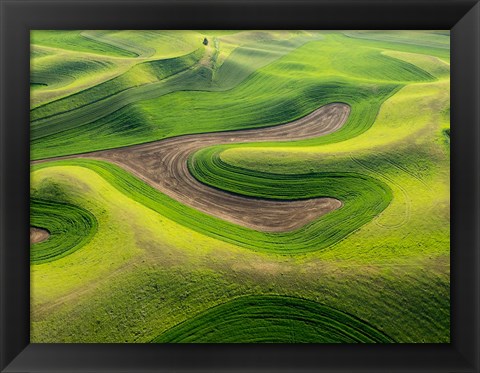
x,y
240,186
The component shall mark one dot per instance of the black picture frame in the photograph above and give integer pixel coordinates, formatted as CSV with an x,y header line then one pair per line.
x,y
18,17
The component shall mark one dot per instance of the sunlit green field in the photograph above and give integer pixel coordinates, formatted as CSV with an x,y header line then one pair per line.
x,y
126,261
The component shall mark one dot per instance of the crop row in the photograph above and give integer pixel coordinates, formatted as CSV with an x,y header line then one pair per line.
x,y
106,98
272,319
70,227
152,71
75,41
363,198
239,94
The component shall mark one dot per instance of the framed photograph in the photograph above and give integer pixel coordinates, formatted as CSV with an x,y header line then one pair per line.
x,y
240,186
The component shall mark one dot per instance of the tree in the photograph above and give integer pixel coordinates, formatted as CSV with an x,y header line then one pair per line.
x,y
205,41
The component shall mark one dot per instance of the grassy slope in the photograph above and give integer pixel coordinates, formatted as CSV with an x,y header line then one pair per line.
x,y
139,74
411,162
124,122
150,43
427,43
75,41
161,277
62,72
244,106
270,319
59,219
88,49
363,200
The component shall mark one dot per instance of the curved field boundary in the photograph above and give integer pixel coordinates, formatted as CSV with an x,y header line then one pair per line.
x,y
246,59
101,36
61,71
367,197
104,106
363,197
199,77
70,228
401,46
51,80
160,69
406,215
285,227
74,41
273,319
163,165
392,38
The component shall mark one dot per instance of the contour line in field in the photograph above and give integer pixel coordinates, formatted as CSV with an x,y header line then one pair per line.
x,y
163,165
272,318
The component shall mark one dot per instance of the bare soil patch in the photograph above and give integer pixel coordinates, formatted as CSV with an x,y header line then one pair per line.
x,y
38,235
163,165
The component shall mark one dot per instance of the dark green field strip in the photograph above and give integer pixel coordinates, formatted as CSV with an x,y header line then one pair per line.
x,y
64,71
99,109
364,100
247,105
193,110
161,69
37,85
242,62
53,118
70,227
273,319
215,111
363,198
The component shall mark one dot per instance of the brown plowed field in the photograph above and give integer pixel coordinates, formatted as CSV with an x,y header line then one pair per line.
x,y
163,165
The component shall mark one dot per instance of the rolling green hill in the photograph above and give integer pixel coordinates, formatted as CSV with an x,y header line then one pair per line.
x,y
127,261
